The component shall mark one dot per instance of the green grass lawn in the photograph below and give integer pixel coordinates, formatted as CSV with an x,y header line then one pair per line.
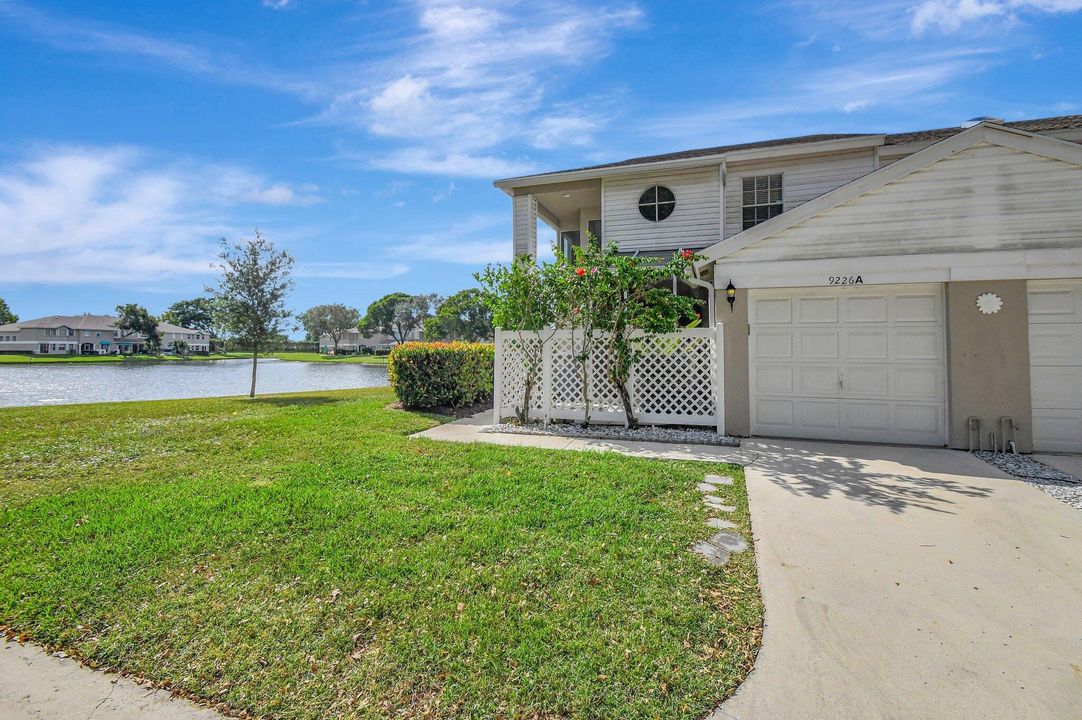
x,y
297,556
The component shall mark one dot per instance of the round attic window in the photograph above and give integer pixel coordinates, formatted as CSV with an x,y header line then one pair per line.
x,y
657,203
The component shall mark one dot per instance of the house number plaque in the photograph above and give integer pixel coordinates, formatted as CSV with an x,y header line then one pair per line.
x,y
845,280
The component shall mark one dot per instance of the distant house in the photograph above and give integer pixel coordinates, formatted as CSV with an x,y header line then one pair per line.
x,y
88,335
353,341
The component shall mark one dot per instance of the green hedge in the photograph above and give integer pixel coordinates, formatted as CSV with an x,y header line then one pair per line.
x,y
440,374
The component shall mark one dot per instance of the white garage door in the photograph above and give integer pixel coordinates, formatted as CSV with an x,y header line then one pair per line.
x,y
858,363
1055,361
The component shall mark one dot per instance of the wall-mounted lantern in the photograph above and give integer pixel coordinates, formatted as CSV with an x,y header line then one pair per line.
x,y
730,294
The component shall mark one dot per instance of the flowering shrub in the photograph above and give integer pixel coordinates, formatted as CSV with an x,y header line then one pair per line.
x,y
440,374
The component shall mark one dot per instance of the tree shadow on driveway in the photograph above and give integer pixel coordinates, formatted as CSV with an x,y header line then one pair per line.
x,y
891,477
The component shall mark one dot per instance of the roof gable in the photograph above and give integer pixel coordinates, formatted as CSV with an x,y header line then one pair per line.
x,y
986,133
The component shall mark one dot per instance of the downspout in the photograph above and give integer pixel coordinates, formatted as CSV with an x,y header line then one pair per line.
x,y
698,282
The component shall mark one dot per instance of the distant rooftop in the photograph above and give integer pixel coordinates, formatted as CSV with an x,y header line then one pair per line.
x,y
1063,122
83,322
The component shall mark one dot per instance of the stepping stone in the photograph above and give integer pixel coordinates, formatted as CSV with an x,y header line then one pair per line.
x,y
719,479
719,524
717,549
713,501
705,487
715,556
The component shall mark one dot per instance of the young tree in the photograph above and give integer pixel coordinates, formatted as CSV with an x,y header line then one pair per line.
x,y
197,314
638,297
523,299
252,288
6,316
581,300
180,347
135,320
397,315
331,320
462,316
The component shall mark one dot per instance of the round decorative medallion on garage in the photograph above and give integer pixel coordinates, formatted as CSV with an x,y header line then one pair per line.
x,y
989,303
656,203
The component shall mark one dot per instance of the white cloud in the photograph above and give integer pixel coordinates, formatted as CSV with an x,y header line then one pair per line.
x,y
468,242
104,214
277,4
473,79
950,15
422,161
444,193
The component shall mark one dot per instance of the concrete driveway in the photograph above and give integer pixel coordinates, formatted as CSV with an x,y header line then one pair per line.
x,y
910,583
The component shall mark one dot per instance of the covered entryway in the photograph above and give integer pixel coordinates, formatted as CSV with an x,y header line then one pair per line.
x,y
1055,360
864,363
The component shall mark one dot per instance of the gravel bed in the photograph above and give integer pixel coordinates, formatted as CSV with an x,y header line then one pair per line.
x,y
1060,485
647,433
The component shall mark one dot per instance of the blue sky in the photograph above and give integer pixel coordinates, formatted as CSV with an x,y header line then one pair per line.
x,y
363,137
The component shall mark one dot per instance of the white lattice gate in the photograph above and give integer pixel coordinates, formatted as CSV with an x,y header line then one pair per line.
x,y
677,381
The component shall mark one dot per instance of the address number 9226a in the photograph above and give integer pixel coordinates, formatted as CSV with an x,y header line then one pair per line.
x,y
845,280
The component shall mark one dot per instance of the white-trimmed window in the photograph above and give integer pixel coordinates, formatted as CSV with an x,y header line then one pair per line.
x,y
762,199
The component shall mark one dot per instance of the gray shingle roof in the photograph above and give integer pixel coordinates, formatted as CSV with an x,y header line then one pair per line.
x,y
1063,122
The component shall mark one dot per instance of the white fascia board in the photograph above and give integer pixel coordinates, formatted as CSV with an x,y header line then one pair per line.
x,y
812,148
903,269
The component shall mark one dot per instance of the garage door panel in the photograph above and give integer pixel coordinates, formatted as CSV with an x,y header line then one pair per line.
x,y
819,414
818,310
868,380
1055,344
818,345
1054,303
917,382
1055,361
917,308
1057,430
773,345
917,419
922,345
1057,388
772,311
868,364
867,344
871,417
774,379
866,309
818,380
774,412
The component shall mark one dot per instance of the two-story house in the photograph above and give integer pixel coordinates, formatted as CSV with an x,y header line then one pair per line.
x,y
88,335
921,288
354,340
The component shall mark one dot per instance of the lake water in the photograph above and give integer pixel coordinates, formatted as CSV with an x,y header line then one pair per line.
x,y
64,383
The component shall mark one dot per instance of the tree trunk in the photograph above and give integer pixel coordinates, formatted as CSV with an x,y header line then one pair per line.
x,y
255,358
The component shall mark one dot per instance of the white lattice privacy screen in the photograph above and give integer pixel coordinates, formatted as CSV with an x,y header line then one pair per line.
x,y
678,380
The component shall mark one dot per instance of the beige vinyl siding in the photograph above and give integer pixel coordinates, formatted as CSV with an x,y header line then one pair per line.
x,y
802,180
986,197
695,223
525,225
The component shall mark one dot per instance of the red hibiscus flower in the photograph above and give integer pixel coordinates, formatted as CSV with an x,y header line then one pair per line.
x,y
580,271
687,254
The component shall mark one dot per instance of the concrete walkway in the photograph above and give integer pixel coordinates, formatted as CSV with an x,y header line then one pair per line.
x,y
910,583
469,430
34,686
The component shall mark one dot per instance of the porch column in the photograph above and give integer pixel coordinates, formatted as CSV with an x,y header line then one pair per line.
x,y
525,226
